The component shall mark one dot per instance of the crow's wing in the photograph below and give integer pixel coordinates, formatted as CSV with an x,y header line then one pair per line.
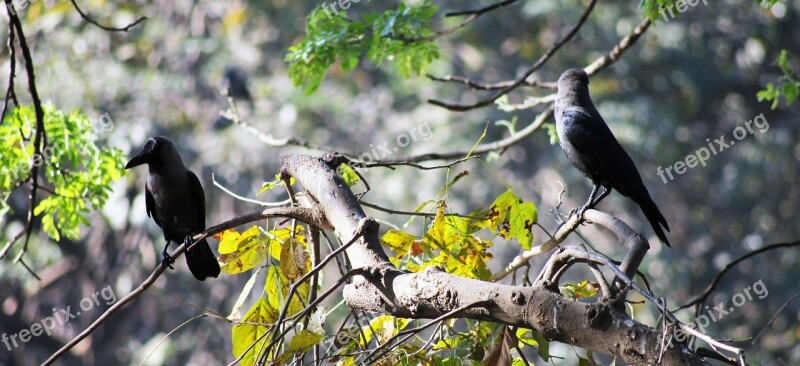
x,y
196,191
150,205
601,155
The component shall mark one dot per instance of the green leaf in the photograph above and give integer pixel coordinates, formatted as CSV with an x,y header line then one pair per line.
x,y
580,290
349,175
552,133
377,36
300,343
512,217
278,182
533,338
788,85
71,162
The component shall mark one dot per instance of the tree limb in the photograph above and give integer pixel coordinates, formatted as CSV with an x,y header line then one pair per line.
x,y
294,212
433,293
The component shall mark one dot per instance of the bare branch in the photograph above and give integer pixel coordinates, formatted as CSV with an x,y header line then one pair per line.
x,y
270,140
110,29
774,316
492,146
492,86
473,15
700,300
623,45
12,49
40,138
539,63
295,212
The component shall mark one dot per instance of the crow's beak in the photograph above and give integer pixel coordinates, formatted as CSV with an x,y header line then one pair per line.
x,y
137,160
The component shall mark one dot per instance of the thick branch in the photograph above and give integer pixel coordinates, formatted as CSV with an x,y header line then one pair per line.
x,y
432,293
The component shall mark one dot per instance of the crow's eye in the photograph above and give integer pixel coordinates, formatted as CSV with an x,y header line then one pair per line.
x,y
150,145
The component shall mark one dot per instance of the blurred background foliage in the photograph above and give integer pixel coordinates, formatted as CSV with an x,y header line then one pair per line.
x,y
688,79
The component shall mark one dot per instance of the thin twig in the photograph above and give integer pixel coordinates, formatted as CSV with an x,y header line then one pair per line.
x,y
785,304
110,29
473,15
492,86
701,299
539,63
499,145
245,199
270,140
12,49
361,231
275,212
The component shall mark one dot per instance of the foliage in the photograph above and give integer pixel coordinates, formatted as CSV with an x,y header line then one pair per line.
x,y
286,260
788,84
394,35
450,242
653,8
74,168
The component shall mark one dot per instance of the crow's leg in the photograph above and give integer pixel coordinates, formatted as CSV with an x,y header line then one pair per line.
x,y
590,202
600,197
166,259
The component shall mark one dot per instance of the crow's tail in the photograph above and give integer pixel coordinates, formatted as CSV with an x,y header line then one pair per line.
x,y
654,216
202,261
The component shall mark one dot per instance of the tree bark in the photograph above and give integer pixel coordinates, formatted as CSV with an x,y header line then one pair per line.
x,y
433,293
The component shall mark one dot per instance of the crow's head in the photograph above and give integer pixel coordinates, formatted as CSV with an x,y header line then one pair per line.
x,y
157,151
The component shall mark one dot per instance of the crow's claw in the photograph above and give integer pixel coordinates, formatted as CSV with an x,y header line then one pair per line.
x,y
166,259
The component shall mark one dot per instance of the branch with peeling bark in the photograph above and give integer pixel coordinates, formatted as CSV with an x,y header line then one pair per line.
x,y
432,293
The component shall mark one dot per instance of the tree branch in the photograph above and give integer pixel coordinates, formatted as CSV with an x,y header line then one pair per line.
x,y
473,15
39,137
110,29
292,212
433,293
519,81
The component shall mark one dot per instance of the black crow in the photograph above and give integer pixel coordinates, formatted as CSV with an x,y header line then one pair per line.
x,y
592,148
175,200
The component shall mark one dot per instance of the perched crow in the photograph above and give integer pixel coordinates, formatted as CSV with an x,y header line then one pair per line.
x,y
592,148
236,83
175,200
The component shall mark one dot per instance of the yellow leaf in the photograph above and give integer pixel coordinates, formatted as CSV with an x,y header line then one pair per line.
x,y
241,252
277,289
300,343
399,241
436,237
255,324
513,218
295,262
384,327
